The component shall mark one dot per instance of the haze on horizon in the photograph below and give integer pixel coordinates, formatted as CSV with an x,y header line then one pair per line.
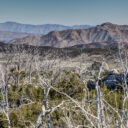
x,y
66,12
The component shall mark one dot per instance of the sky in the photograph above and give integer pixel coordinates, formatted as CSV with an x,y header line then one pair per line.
x,y
66,12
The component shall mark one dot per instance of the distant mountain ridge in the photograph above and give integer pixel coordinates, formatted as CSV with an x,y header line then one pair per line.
x,y
37,29
6,36
106,32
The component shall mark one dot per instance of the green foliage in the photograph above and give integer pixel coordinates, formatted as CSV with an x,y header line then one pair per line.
x,y
33,93
3,123
30,112
15,120
69,85
22,115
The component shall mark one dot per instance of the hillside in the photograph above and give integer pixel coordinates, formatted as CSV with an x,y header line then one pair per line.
x,y
103,45
106,32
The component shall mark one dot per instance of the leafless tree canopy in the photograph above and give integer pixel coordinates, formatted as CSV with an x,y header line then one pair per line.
x,y
38,91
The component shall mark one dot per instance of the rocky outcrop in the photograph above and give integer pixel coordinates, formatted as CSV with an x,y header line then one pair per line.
x,y
114,80
96,66
111,80
91,84
114,72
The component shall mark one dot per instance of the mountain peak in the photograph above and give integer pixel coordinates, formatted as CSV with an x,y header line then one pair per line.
x,y
107,24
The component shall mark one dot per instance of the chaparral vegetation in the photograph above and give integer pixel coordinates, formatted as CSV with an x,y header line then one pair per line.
x,y
40,90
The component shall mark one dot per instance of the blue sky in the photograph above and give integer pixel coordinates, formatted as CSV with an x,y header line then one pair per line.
x,y
67,12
